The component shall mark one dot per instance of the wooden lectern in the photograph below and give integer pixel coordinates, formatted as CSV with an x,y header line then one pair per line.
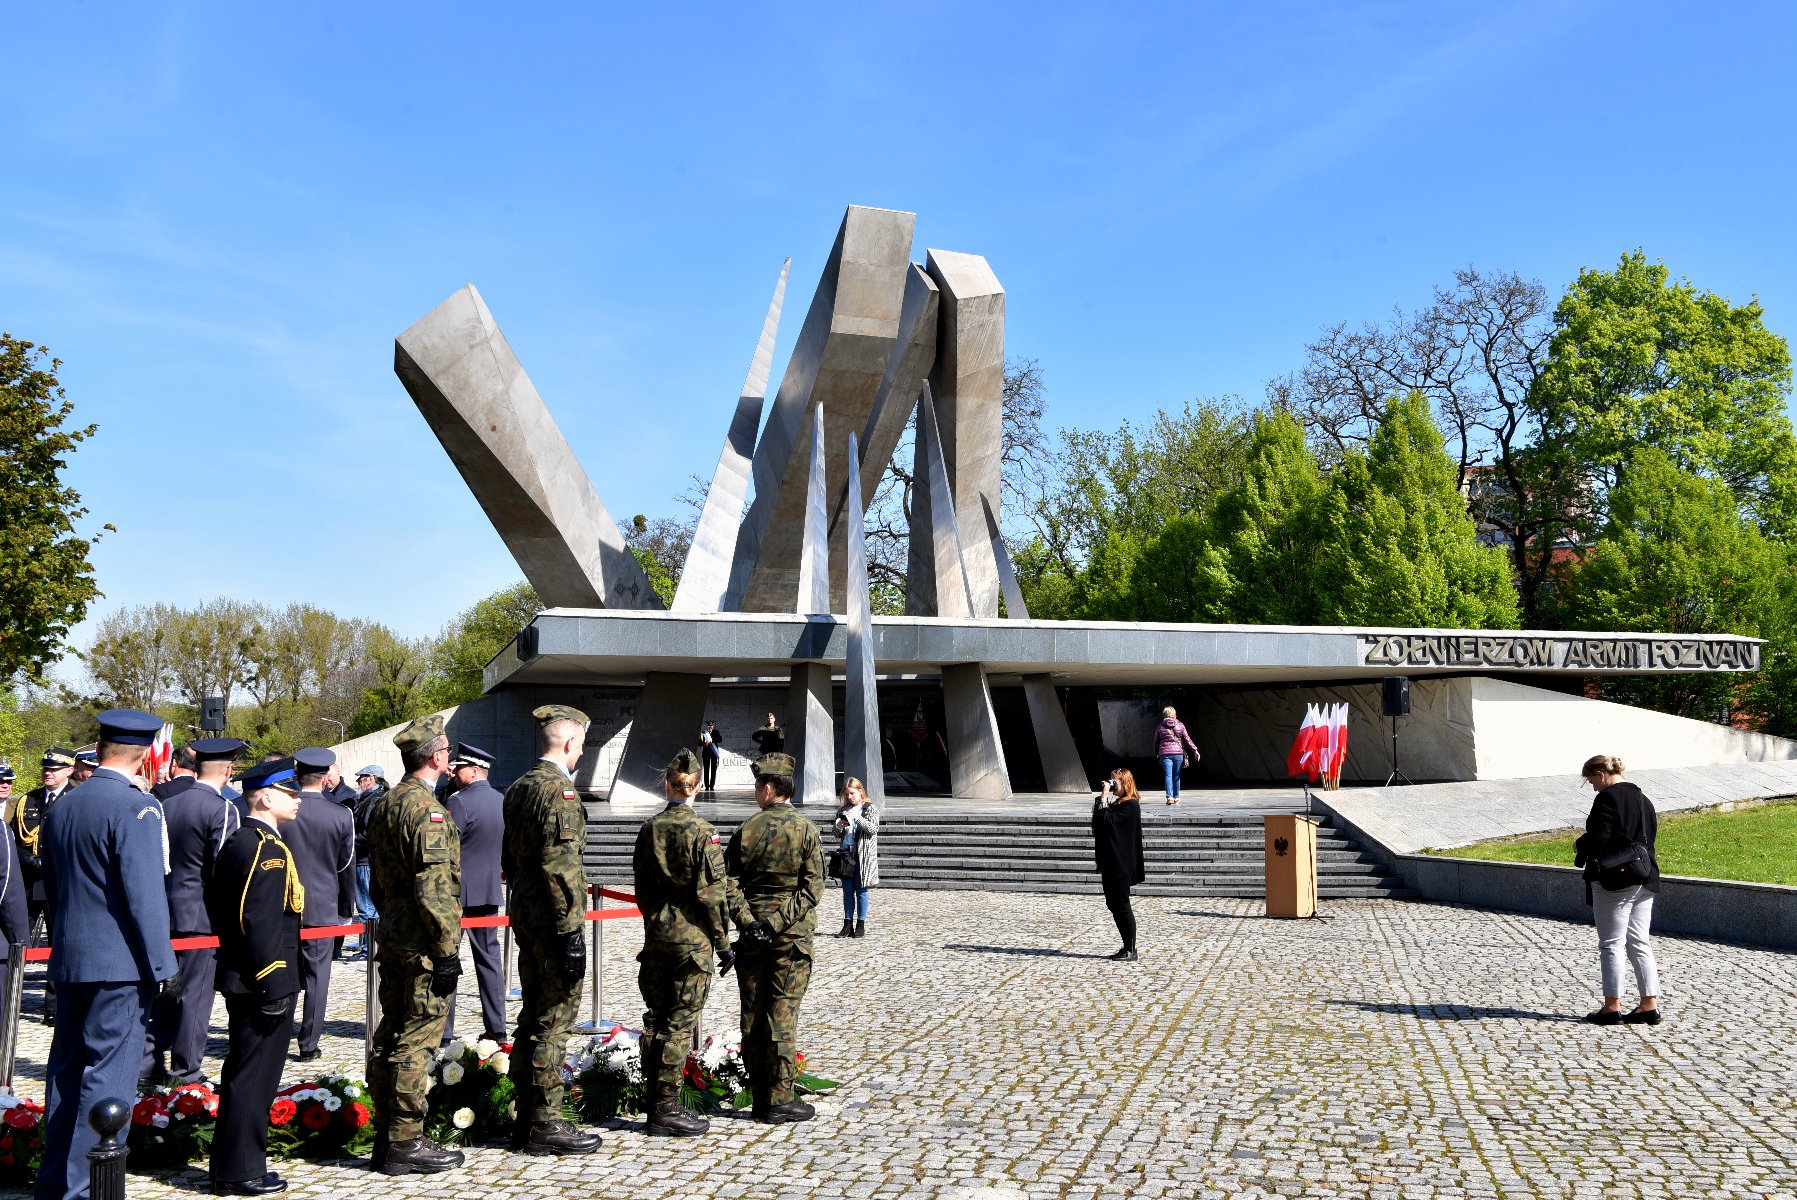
x,y
1291,866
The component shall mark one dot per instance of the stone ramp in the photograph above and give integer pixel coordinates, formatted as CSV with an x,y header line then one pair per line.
x,y
1188,854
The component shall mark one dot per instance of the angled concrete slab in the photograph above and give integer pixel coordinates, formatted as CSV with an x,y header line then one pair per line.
x,y
861,715
936,583
475,396
969,384
811,734
839,360
814,551
668,716
705,579
976,757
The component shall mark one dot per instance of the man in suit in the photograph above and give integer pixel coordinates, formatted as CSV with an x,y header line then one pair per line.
x,y
256,902
478,810
183,765
200,821
102,854
335,789
323,840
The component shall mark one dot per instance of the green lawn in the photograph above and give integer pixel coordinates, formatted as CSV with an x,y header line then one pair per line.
x,y
1755,845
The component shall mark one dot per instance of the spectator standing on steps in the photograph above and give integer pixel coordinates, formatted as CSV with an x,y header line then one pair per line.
x,y
1171,743
770,738
478,810
710,752
1117,843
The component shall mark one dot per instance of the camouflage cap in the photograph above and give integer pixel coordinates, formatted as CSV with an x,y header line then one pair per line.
x,y
559,712
775,764
421,732
684,763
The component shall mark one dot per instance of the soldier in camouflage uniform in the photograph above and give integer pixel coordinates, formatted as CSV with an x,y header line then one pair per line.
x,y
415,876
545,832
682,890
776,863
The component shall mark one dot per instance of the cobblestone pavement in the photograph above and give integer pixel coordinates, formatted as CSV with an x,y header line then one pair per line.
x,y
1395,1049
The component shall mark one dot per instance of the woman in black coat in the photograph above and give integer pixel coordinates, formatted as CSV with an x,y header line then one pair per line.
x,y
1117,841
1622,818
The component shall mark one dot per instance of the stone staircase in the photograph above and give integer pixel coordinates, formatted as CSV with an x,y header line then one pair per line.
x,y
1188,855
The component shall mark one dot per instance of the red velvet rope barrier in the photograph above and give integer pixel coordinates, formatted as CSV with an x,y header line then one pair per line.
x,y
42,953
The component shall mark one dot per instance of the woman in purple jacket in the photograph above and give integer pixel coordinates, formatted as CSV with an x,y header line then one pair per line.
x,y
1171,741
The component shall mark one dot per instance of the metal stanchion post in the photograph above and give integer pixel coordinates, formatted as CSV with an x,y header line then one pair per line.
x,y
106,1161
9,1017
505,962
371,997
598,958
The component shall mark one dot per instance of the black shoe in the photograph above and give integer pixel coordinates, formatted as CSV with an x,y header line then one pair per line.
x,y
784,1114
555,1137
269,1183
418,1156
1605,1016
1127,954
667,1119
1642,1016
860,928
847,930
308,1055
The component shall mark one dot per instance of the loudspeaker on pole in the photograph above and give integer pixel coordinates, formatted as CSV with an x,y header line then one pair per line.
x,y
1394,696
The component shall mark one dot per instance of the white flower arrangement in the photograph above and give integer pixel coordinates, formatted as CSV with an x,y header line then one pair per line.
x,y
331,1102
486,1048
452,1072
455,1049
500,1061
463,1118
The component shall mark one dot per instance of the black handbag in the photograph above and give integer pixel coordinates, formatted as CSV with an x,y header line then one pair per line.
x,y
840,865
1631,864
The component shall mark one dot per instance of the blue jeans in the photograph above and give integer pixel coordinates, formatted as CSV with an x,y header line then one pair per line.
x,y
854,899
364,902
1170,767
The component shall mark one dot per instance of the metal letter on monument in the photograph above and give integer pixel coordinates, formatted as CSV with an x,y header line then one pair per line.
x,y
861,717
475,396
810,727
1061,769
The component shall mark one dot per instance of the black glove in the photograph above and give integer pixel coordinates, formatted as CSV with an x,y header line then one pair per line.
x,y
444,973
574,955
726,960
272,1014
168,989
759,931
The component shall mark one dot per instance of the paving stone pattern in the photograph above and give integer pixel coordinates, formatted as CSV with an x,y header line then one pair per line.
x,y
1395,1049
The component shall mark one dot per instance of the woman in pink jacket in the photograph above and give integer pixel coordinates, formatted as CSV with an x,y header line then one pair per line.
x,y
1171,742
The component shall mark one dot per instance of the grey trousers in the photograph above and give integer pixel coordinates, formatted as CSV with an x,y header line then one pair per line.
x,y
178,1027
488,967
315,981
1623,919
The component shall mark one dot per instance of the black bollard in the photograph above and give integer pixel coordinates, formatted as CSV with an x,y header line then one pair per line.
x,y
106,1161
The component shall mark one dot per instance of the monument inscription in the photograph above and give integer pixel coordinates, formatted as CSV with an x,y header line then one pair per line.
x,y
1594,652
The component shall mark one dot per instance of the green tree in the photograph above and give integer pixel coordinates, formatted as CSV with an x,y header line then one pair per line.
x,y
1399,547
397,691
660,545
12,733
132,656
1676,557
211,649
472,639
50,581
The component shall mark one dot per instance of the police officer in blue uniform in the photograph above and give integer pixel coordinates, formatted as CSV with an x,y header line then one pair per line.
x,y
323,840
200,822
103,855
256,902
478,810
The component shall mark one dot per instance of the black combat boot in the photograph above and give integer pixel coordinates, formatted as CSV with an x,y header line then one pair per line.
x,y
667,1118
847,930
784,1113
860,928
559,1137
418,1156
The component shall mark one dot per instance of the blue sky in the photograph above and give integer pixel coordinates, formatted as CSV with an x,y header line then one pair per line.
x,y
219,216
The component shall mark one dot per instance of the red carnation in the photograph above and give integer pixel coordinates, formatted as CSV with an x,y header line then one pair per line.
x,y
315,1117
189,1104
358,1115
144,1109
18,1118
281,1111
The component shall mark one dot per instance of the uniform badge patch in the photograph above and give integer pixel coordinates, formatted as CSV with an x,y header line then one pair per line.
x,y
570,795
272,864
437,818
714,839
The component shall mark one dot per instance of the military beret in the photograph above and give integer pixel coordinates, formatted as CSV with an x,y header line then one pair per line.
x,y
86,758
684,763
277,773
559,712
313,758
129,726
419,733
775,764
212,749
56,756
471,756
6,772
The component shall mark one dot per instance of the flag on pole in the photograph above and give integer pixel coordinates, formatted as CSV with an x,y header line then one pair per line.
x,y
1339,753
1301,759
162,753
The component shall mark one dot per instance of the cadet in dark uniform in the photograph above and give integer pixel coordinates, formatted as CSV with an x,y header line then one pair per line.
x,y
256,902
200,822
103,863
28,821
414,858
478,809
545,832
323,841
681,887
776,858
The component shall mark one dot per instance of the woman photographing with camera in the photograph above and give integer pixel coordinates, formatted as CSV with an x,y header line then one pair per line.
x,y
1617,853
1117,842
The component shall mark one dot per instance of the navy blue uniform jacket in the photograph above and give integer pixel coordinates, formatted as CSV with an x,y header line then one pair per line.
x,y
102,845
478,810
256,899
200,821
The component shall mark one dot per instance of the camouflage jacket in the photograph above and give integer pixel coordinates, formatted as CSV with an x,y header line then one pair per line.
x,y
415,871
776,865
545,832
681,885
